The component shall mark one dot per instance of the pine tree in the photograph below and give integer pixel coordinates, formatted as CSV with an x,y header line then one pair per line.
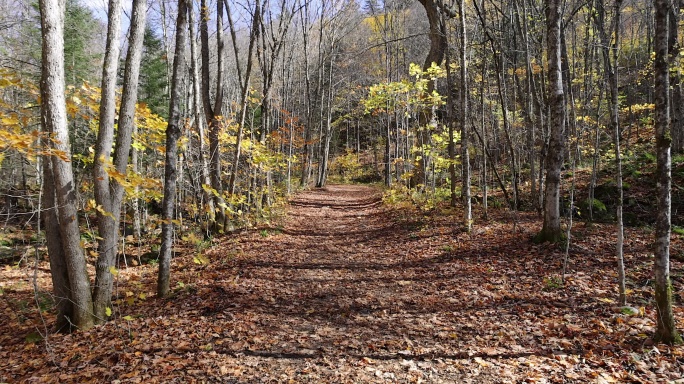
x,y
153,78
81,62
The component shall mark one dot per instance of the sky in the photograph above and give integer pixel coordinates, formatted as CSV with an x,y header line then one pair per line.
x,y
99,8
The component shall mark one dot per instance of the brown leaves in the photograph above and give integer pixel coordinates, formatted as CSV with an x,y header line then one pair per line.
x,y
358,292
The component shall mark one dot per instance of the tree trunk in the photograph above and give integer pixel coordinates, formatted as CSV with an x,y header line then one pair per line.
x,y
110,190
213,111
677,113
307,151
529,100
610,69
172,134
106,222
196,106
438,47
451,147
54,121
551,230
253,37
666,331
58,267
327,137
465,153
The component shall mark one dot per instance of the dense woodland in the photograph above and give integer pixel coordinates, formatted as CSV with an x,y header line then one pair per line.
x,y
159,124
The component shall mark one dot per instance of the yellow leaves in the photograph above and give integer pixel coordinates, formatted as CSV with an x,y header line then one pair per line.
x,y
10,120
200,259
639,108
207,188
4,82
108,311
92,205
113,271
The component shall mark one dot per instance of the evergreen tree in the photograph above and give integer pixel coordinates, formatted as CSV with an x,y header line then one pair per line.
x,y
153,78
80,29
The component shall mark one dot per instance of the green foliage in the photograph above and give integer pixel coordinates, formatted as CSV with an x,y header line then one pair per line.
x,y
597,205
648,157
80,29
678,230
403,197
34,337
552,282
347,167
494,202
153,75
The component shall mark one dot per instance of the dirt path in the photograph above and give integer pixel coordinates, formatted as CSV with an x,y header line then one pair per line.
x,y
349,290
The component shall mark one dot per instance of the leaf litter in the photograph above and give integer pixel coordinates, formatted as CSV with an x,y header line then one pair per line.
x,y
350,290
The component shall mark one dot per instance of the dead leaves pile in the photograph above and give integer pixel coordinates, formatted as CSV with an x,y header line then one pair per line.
x,y
349,290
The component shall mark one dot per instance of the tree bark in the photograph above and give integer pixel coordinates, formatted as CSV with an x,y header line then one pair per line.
x,y
106,222
213,111
58,267
438,46
677,113
170,168
551,230
253,37
611,76
666,330
451,147
110,190
197,106
54,121
465,153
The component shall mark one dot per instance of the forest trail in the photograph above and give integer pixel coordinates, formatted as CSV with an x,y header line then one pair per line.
x,y
348,289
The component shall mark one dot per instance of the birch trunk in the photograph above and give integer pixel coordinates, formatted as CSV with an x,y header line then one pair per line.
x,y
551,230
666,331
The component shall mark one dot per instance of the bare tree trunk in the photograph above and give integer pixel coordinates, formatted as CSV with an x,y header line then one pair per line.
x,y
111,191
137,221
213,111
485,187
451,147
54,121
253,37
677,118
610,69
172,134
106,222
196,106
529,102
327,131
551,230
58,267
307,152
463,115
438,45
666,331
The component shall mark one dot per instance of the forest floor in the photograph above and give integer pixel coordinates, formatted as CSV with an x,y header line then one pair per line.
x,y
348,290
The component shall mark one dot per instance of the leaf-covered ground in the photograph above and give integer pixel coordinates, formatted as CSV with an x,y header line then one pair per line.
x,y
348,290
